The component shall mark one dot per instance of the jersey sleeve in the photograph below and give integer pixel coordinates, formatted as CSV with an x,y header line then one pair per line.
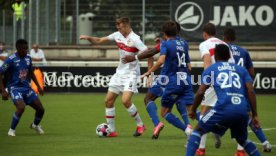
x,y
6,65
248,63
111,37
140,45
203,49
246,76
163,48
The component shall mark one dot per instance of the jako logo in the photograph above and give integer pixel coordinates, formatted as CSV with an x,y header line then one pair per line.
x,y
189,15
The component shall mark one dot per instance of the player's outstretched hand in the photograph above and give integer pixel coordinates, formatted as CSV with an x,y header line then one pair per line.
x,y
83,37
128,59
5,95
255,122
149,81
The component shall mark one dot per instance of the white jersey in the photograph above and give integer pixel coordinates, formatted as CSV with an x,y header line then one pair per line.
x,y
208,47
129,45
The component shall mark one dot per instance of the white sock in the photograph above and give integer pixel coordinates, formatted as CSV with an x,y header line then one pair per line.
x,y
264,143
110,117
132,110
203,138
239,147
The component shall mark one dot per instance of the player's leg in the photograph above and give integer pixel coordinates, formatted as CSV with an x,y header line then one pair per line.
x,y
193,141
20,108
19,103
133,111
209,102
39,113
183,104
239,132
261,136
154,92
110,99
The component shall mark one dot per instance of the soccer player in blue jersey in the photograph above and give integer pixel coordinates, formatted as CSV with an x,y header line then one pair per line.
x,y
19,67
170,83
243,59
235,88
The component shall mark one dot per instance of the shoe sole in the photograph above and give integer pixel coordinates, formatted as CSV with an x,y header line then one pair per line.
x,y
155,136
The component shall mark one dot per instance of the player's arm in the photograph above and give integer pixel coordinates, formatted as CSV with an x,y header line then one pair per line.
x,y
198,99
3,58
251,71
150,62
249,66
143,55
253,104
189,67
206,61
94,40
32,75
157,65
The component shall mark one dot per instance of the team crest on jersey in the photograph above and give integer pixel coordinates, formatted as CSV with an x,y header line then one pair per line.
x,y
129,43
27,61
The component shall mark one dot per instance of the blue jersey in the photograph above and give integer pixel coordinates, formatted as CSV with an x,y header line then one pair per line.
x,y
18,70
241,56
177,57
229,82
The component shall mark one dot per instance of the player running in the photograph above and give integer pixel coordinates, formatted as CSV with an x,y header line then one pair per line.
x,y
174,82
125,79
19,68
235,87
243,59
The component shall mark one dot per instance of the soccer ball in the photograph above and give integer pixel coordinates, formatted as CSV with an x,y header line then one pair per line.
x,y
103,130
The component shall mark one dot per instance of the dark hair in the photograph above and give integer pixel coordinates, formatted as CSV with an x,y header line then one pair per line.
x,y
2,43
178,27
20,42
229,34
222,52
169,28
210,29
124,20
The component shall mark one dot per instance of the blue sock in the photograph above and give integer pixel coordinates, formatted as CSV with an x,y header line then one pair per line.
x,y
193,143
37,120
152,111
251,149
174,120
258,132
183,112
15,120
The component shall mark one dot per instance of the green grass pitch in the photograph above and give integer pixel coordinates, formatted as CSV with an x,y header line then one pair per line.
x,y
70,121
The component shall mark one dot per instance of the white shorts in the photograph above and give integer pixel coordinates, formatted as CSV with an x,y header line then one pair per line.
x,y
121,83
210,97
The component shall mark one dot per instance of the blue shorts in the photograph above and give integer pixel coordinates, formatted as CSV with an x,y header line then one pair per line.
x,y
156,88
177,93
25,94
219,121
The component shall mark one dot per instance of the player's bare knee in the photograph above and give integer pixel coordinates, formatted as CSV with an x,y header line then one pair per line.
x,y
20,110
126,103
108,103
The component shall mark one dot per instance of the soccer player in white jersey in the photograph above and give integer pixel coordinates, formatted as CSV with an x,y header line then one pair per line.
x,y
125,79
207,49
